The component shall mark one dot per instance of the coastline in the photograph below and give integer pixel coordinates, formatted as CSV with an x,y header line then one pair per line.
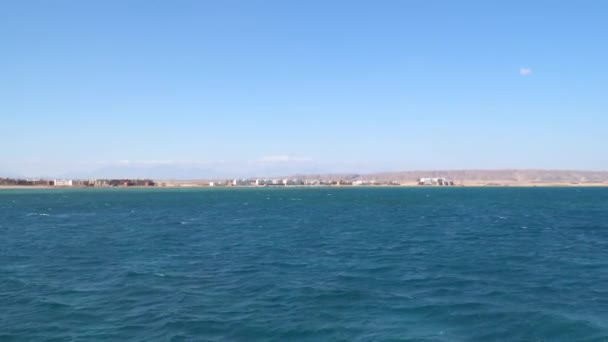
x,y
413,185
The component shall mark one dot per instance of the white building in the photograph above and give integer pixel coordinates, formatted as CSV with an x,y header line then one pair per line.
x,y
219,183
62,182
240,182
293,181
101,182
435,181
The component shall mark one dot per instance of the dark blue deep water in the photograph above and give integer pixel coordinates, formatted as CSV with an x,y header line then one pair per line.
x,y
324,264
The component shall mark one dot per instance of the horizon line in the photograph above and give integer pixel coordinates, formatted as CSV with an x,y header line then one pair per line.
x,y
322,174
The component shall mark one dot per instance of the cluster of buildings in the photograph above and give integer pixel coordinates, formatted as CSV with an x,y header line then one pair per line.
x,y
436,181
24,182
244,182
77,183
119,182
259,182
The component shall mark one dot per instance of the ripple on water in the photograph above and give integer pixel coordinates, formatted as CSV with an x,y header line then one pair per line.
x,y
455,264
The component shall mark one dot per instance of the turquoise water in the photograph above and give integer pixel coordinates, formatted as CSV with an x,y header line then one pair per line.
x,y
324,264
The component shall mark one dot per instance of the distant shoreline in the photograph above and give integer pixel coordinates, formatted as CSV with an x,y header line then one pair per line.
x,y
190,186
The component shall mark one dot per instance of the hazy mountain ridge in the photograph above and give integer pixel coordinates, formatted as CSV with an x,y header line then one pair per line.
x,y
507,176
498,176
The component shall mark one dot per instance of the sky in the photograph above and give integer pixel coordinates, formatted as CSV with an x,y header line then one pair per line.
x,y
196,89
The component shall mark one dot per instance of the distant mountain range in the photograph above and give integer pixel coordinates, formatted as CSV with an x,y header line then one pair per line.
x,y
479,176
464,177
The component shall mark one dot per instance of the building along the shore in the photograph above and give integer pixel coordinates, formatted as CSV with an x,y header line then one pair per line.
x,y
62,182
438,181
241,182
293,181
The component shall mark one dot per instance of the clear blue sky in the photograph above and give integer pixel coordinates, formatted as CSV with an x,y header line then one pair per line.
x,y
244,87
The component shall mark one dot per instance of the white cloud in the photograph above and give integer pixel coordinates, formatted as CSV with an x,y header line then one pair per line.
x,y
525,71
154,162
137,162
282,159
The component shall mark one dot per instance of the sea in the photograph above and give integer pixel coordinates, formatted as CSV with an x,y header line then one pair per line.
x,y
304,264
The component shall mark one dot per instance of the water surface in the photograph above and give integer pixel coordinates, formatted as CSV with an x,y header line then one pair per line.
x,y
323,264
